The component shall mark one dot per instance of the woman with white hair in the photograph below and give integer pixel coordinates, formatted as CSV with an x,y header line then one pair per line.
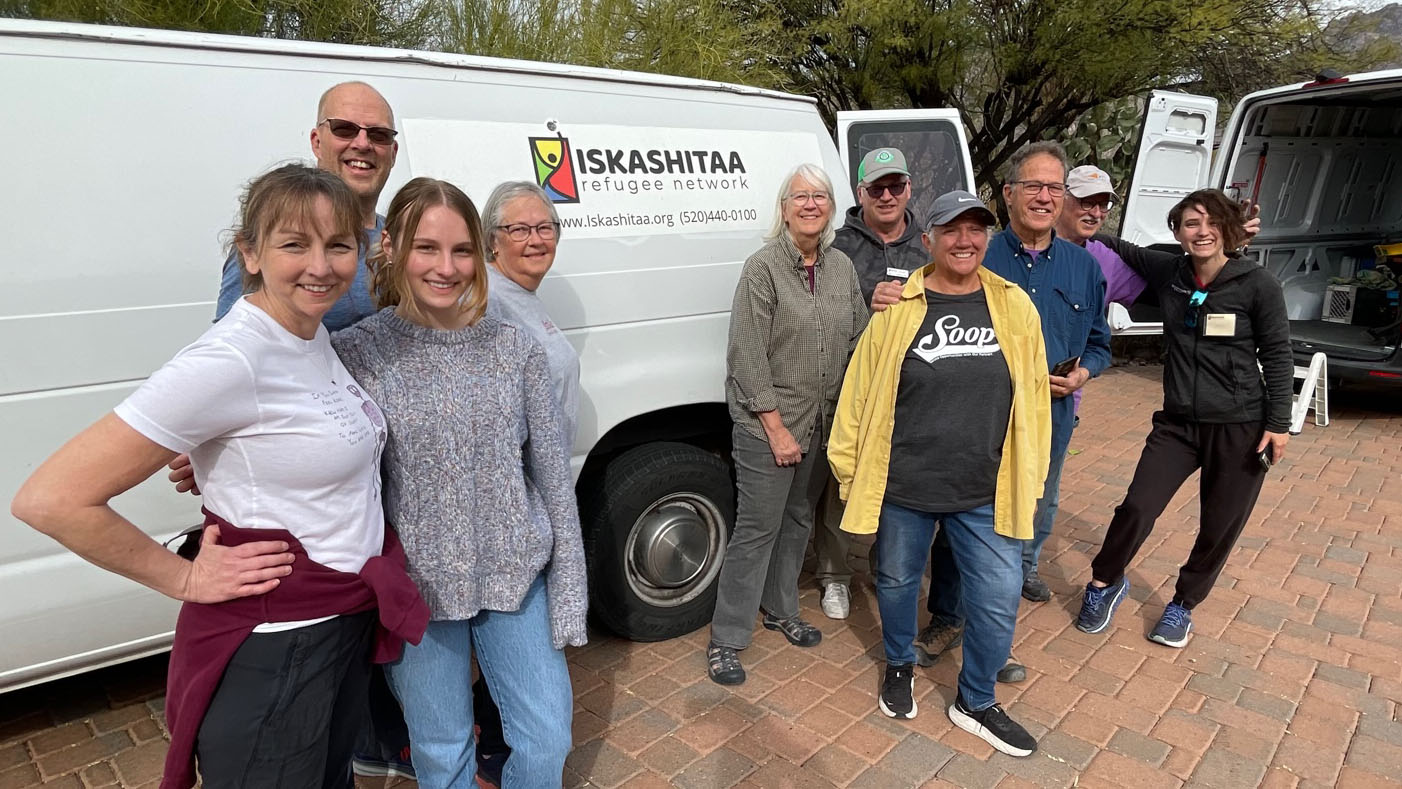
x,y
797,314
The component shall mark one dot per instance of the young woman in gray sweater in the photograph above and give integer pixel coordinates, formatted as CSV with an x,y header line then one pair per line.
x,y
478,487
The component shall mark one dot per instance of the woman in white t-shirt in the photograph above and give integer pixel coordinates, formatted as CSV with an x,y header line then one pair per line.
x,y
271,655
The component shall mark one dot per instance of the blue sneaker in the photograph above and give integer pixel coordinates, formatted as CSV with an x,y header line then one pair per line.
x,y
1174,627
1099,605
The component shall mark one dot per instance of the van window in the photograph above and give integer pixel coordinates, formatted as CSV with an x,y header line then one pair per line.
x,y
931,151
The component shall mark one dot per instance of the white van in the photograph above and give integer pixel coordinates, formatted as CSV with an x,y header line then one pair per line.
x,y
127,150
1324,161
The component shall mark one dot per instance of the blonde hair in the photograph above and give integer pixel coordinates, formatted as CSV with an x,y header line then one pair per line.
x,y
817,176
287,195
389,277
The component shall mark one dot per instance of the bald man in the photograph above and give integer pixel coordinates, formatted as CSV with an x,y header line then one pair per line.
x,y
354,137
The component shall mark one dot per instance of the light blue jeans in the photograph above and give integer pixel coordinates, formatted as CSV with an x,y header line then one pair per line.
x,y
990,581
1045,516
528,678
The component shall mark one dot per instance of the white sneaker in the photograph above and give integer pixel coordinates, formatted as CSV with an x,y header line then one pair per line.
x,y
837,601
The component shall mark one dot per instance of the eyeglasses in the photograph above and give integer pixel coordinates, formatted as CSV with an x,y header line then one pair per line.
x,y
896,190
1034,188
817,198
521,232
348,130
1190,319
1104,203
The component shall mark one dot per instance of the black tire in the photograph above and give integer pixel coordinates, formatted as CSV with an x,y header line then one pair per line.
x,y
670,489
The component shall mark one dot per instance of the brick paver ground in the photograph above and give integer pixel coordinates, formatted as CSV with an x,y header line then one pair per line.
x,y
1293,679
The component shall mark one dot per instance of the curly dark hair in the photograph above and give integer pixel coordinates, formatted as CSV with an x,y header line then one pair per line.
x,y
1223,210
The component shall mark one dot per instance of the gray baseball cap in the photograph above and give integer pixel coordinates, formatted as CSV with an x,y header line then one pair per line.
x,y
951,205
1088,180
882,161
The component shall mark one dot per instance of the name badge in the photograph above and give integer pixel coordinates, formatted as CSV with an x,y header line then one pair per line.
x,y
898,273
1220,324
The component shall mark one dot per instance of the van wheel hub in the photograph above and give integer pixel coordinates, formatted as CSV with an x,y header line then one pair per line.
x,y
674,549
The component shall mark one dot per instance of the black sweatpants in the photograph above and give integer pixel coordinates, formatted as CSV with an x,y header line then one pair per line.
x,y
1231,481
288,708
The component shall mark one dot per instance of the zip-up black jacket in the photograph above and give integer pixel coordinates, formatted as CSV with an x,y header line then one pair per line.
x,y
1216,379
871,256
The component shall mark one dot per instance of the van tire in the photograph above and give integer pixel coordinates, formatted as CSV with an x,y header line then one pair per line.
x,y
646,500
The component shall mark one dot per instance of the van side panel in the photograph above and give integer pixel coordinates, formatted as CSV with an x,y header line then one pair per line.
x,y
134,156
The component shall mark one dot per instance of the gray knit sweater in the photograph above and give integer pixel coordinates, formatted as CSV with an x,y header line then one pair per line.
x,y
477,476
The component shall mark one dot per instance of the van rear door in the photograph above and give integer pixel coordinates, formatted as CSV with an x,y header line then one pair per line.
x,y
933,141
1174,158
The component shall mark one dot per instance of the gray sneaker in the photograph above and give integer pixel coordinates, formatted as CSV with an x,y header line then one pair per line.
x,y
1035,589
837,601
936,639
1012,671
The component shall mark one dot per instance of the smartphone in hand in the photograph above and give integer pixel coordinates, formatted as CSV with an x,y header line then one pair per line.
x,y
1064,367
1266,457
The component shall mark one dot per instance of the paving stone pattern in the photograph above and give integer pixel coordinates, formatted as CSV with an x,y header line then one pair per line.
x,y
1293,679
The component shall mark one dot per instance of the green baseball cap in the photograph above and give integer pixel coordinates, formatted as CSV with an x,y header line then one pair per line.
x,y
882,161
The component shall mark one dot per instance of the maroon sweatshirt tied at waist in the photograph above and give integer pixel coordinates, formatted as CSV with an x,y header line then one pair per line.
x,y
208,635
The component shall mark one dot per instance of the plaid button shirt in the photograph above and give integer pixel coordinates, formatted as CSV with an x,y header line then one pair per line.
x,y
788,347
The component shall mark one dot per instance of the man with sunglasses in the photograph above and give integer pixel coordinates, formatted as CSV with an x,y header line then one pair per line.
x,y
1068,289
354,137
882,238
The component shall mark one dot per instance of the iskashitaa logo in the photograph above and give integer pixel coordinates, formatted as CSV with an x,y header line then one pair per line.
x,y
553,169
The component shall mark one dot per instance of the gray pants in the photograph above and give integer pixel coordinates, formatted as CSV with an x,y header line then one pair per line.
x,y
831,544
773,521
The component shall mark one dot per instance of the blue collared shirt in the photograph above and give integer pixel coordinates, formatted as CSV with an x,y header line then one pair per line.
x,y
1068,289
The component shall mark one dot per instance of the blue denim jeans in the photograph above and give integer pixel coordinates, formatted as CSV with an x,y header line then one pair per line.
x,y
528,678
990,581
1046,514
943,603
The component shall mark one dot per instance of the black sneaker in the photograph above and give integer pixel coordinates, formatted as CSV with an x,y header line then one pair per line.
x,y
936,639
798,632
994,727
898,691
1035,589
723,665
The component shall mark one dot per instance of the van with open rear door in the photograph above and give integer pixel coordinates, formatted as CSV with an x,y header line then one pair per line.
x,y
1323,159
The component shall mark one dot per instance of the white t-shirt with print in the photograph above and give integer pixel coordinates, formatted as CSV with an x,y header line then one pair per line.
x,y
279,434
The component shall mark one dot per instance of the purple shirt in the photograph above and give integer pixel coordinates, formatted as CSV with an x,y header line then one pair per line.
x,y
1122,284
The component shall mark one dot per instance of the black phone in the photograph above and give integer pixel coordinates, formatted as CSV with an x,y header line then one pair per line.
x,y
1065,366
1267,457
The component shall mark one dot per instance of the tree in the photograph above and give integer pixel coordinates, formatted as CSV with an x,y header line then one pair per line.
x,y
1019,70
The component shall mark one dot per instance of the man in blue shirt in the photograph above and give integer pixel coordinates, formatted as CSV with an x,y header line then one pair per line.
x,y
354,137
1068,289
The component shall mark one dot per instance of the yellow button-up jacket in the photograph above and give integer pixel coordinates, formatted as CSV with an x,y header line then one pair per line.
x,y
859,450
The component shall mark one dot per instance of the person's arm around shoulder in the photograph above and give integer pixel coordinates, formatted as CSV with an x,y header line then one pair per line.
x,y
1270,325
548,465
1154,265
857,383
68,499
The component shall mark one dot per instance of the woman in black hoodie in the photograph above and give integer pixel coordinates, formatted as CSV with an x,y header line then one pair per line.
x,y
1227,387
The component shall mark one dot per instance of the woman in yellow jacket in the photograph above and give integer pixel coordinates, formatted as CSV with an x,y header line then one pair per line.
x,y
945,418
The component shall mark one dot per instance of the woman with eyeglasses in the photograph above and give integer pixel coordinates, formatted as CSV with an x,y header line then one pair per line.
x,y
1228,383
796,316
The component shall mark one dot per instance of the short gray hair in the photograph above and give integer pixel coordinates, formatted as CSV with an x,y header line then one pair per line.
x,y
1050,148
813,174
505,193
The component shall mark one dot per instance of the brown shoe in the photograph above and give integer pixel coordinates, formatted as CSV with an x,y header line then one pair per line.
x,y
936,639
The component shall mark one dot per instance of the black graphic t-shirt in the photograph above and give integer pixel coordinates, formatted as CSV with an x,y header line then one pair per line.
x,y
952,409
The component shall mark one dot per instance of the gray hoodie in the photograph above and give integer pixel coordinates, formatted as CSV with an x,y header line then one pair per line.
x,y
871,256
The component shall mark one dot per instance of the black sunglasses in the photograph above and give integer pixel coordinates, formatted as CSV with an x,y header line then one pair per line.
x,y
348,130
877,190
